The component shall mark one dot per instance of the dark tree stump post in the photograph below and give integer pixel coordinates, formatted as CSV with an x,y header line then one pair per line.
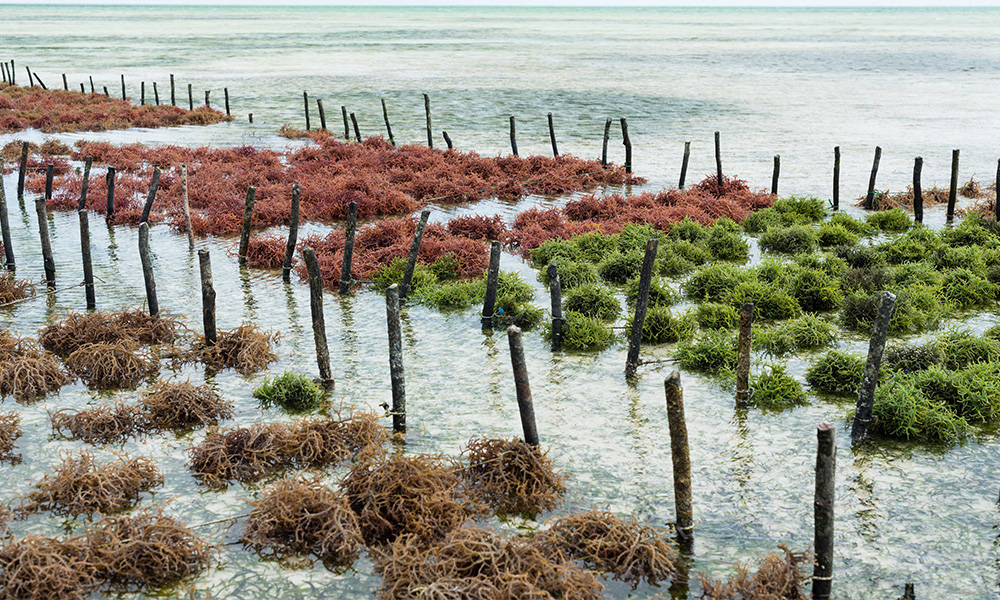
x,y
305,101
318,322
187,206
8,247
996,201
684,164
293,234
91,77
142,93
173,91
226,92
207,296
106,93
628,146
525,405
21,170
154,185
447,139
85,183
743,355
918,195
604,146
322,114
641,303
552,137
826,466
247,224
953,188
555,293
156,94
207,103
65,82
836,178
147,269
347,127
681,458
388,128
396,374
513,136
124,97
430,136
774,175
718,164
190,98
357,131
870,196
109,180
414,249
866,394
88,267
49,172
349,230
492,277
43,234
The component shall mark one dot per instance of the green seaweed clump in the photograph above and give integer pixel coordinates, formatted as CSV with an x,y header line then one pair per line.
x,y
770,301
661,326
710,351
836,373
902,410
593,300
774,389
727,245
965,289
581,332
800,209
796,239
815,290
386,275
834,234
807,332
292,391
660,292
619,268
712,315
895,220
960,348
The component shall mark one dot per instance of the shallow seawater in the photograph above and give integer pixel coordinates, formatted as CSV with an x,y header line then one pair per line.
x,y
773,81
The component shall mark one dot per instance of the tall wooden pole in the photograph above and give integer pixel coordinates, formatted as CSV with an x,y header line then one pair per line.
x,y
918,195
641,303
552,137
411,264
207,296
743,354
953,188
680,457
718,164
388,128
525,405
319,323
604,146
349,230
88,267
147,269
430,135
684,164
836,178
492,277
396,375
866,393
870,196
555,293
826,467
247,224
513,136
293,234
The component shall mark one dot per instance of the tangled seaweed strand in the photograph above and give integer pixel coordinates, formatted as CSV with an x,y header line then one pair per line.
x,y
26,371
183,405
301,515
41,568
413,494
511,476
10,430
107,424
779,577
247,349
930,196
321,442
79,486
13,289
476,563
74,330
630,552
111,364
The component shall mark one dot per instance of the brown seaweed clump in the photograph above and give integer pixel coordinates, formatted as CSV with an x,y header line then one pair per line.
x,y
244,454
247,349
79,486
472,563
605,543
511,476
300,515
321,442
26,371
411,494
74,330
110,423
10,430
184,405
13,289
779,577
146,551
111,364
41,568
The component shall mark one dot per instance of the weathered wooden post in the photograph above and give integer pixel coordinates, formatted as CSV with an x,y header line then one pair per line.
x,y
430,136
996,201
718,164
88,267
684,164
836,178
247,223
525,405
142,93
207,296
628,146
774,175
187,205
826,467
226,92
250,117
173,95
908,592
109,180
305,101
743,345
154,185
8,247
357,131
147,269
13,79
156,94
85,183
351,226
388,128
513,136
555,293
680,457
107,94
870,197
65,82
918,196
207,103
866,393
83,88
414,249
953,188
124,97
492,278
319,323
293,234
322,114
604,145
396,375
552,137
190,98
447,139
49,172
641,303
22,168
347,127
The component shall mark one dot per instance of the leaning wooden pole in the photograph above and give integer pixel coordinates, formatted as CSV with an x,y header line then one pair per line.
x,y
774,175
525,405
641,304
322,114
21,171
173,91
411,264
349,230
826,467
427,111
628,146
684,164
953,188
513,136
552,137
719,180
318,322
492,279
88,267
147,269
154,185
207,296
870,196
604,145
43,234
109,180
246,226
743,345
293,235
305,101
396,374
388,127
680,457
866,394
187,206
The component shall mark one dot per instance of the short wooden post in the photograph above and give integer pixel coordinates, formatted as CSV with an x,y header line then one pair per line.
x,y
142,93
147,269
247,223
396,374
8,247
836,178
680,457
641,303
226,92
305,101
743,345
351,226
866,394
319,323
719,180
996,200
684,164
414,249
173,90
109,180
870,197
207,103
293,234
430,136
124,97
388,128
513,136
347,126
357,132
918,195
85,183
156,94
22,168
83,88
91,84
31,81
628,146
555,293
447,139
322,114
207,296
49,172
13,79
774,175
826,467
525,405
552,137
953,188
250,117
187,205
106,93
492,278
190,98
604,146
154,185
88,267
65,82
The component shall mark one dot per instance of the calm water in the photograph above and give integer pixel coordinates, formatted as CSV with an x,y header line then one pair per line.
x,y
788,82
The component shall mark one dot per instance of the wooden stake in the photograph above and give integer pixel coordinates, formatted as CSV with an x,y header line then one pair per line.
x,y
142,93
908,592
190,98
106,93
250,117
525,405
552,137
147,269
641,303
680,457
156,94
293,234
21,170
628,146
953,189
207,103
826,466
684,164
173,95
836,178
347,127
430,137
345,269
774,175
918,196
388,128
187,205
870,197
513,136
743,355
414,249
247,223
396,374
8,247
123,88
555,293
447,140
65,82
91,83
719,180
85,184
866,394
492,278
319,323
49,171
322,114
88,267
357,132
996,199
207,296
226,92
154,185
604,147
83,89
305,101
109,180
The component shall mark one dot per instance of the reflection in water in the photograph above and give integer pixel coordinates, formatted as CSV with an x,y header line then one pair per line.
x,y
742,451
249,303
862,484
349,336
112,244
